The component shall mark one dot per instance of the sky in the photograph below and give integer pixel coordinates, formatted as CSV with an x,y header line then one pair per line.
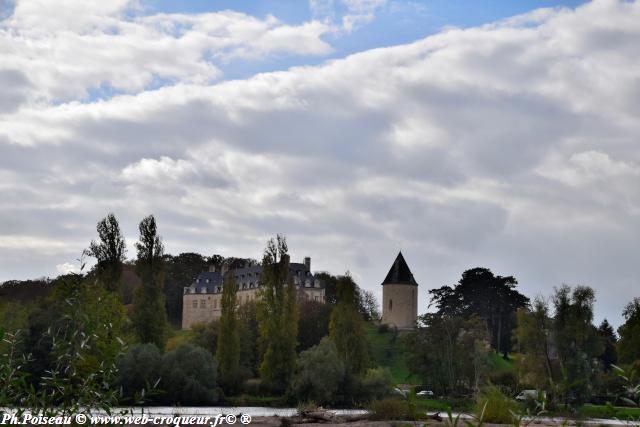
x,y
498,134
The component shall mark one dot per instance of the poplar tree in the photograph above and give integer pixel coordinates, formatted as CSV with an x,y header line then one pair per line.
x,y
228,348
109,251
346,328
277,316
149,316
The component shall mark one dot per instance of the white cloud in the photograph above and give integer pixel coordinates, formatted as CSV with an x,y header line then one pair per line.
x,y
66,49
66,268
512,146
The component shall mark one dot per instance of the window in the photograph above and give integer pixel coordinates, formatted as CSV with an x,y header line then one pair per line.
x,y
215,303
203,303
195,304
390,304
317,298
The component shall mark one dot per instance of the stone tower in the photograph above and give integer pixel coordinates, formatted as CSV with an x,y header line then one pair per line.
x,y
400,296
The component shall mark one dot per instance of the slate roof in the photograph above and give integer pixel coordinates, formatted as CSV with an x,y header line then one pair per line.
x,y
247,278
399,274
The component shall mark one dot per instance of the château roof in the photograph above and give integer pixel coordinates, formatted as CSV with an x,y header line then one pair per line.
x,y
399,274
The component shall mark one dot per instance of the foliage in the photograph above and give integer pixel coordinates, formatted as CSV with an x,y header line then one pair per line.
x,y
180,271
277,312
313,324
389,408
205,335
577,342
449,353
109,252
368,304
479,293
79,349
189,376
533,336
609,339
629,345
376,384
497,407
249,334
149,316
228,348
319,372
138,371
346,329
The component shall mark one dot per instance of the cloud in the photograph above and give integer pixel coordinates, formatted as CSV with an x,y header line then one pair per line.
x,y
353,14
67,268
75,50
511,146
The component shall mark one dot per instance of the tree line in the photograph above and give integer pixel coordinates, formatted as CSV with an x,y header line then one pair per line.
x,y
100,338
552,342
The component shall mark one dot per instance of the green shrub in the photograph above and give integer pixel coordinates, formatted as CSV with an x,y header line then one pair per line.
x,y
189,375
497,406
389,408
376,384
138,371
318,374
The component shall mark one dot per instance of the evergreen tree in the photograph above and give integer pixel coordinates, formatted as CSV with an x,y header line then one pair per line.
x,y
228,348
149,316
492,298
277,312
346,328
608,336
109,252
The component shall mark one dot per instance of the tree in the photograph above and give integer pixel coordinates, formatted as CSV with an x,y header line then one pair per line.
x,y
149,316
180,272
189,376
534,340
139,370
491,298
277,313
608,337
449,352
228,349
369,306
249,334
313,324
110,252
629,345
346,328
576,340
318,374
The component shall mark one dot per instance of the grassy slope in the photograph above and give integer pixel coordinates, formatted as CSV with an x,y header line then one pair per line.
x,y
390,354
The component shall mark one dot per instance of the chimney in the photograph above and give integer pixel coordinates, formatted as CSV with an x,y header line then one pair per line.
x,y
212,268
307,262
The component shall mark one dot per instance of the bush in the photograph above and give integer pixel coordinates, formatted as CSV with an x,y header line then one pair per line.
x,y
376,384
389,408
318,374
189,375
496,405
138,369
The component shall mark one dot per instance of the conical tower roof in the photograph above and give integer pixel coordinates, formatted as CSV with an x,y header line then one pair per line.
x,y
399,274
